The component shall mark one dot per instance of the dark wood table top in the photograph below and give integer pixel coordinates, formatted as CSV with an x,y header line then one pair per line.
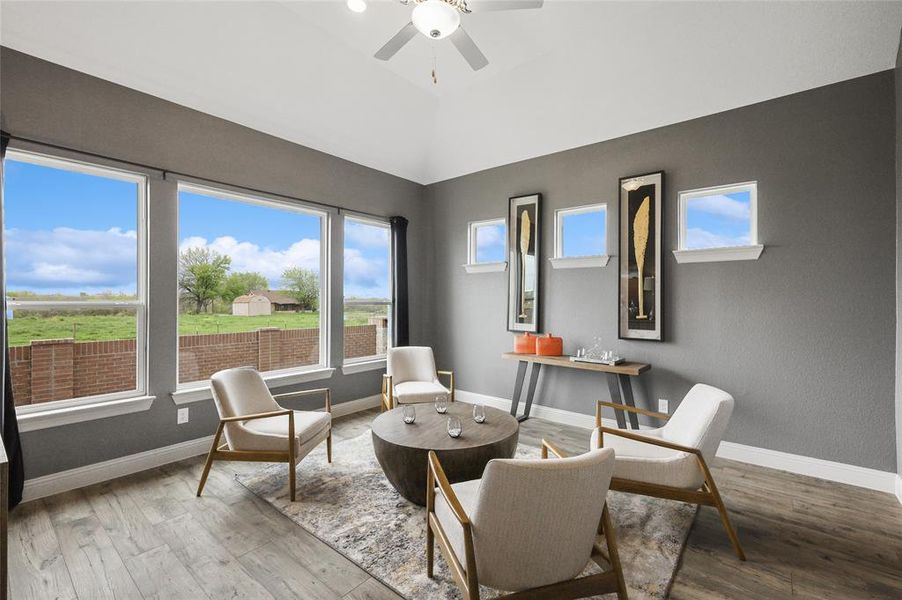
x,y
430,430
625,368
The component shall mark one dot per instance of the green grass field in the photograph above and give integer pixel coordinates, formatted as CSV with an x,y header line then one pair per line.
x,y
84,328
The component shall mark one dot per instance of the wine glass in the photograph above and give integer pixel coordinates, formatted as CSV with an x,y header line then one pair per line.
x,y
479,413
441,404
410,413
454,427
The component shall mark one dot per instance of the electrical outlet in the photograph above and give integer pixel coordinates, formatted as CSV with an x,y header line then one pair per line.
x,y
182,416
663,405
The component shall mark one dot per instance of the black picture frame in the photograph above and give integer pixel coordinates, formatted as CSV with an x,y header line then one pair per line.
x,y
640,298
524,272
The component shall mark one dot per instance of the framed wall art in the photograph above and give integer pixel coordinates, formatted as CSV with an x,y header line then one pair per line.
x,y
523,250
640,278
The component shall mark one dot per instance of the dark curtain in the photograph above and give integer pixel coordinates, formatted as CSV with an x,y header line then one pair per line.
x,y
9,426
400,318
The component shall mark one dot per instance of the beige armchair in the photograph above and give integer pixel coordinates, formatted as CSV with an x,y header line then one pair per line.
x,y
671,462
411,377
258,429
527,527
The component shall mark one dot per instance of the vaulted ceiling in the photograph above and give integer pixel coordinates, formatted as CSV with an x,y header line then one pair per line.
x,y
569,74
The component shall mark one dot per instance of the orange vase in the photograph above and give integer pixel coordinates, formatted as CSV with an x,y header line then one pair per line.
x,y
525,344
549,345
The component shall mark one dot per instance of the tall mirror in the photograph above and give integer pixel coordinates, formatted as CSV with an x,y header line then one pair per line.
x,y
523,249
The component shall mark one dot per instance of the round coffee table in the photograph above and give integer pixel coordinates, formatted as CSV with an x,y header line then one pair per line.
x,y
402,449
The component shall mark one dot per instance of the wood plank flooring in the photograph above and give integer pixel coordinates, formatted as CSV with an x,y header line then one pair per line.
x,y
147,536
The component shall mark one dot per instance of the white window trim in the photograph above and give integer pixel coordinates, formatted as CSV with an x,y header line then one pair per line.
x,y
364,364
188,389
199,391
729,253
481,267
74,410
559,261
349,363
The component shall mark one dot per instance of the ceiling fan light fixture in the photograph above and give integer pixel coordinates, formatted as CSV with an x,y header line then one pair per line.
x,y
357,6
435,19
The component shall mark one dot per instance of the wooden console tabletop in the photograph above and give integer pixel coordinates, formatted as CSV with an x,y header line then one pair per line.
x,y
632,369
618,377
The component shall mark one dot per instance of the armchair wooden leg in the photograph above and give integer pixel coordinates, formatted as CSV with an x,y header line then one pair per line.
x,y
292,475
725,519
209,463
329,448
610,537
430,551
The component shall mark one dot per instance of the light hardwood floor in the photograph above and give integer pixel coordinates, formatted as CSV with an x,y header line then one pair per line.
x,y
148,536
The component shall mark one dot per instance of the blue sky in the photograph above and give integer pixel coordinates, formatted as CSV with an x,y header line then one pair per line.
x,y
69,232
585,234
718,220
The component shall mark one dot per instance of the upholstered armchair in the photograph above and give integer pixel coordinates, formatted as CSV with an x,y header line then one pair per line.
x,y
527,527
671,462
411,377
258,429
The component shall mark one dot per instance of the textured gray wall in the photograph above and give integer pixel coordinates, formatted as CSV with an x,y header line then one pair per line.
x,y
898,75
53,104
803,337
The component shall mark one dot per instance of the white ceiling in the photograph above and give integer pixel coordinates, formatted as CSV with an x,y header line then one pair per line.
x,y
570,74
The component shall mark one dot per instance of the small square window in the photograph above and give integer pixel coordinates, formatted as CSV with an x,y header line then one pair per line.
x,y
486,249
580,238
719,223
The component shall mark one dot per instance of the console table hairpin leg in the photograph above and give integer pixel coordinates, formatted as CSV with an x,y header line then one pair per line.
x,y
530,391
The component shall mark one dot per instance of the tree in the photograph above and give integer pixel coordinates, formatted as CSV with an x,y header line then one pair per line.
x,y
238,284
302,285
202,273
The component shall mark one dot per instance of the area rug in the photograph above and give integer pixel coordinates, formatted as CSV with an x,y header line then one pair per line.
x,y
352,507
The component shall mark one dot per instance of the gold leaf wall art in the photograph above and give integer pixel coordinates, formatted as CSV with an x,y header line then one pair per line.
x,y
525,236
640,245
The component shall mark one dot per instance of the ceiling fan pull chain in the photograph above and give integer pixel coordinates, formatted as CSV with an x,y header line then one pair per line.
x,y
434,67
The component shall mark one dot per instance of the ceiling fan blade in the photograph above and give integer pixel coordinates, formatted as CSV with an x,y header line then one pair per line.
x,y
467,47
488,5
392,46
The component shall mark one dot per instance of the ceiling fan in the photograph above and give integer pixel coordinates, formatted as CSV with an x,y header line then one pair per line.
x,y
438,19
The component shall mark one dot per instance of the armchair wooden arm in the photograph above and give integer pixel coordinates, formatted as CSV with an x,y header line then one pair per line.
x,y
463,571
326,391
437,476
450,375
549,447
625,408
645,439
266,415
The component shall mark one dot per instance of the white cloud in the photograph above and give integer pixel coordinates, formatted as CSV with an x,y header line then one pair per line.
x,y
489,235
701,238
722,206
365,277
366,235
66,260
247,256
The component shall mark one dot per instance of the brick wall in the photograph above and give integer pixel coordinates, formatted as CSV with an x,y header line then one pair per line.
x,y
50,370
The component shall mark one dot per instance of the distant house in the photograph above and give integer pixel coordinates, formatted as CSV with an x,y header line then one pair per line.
x,y
263,302
251,305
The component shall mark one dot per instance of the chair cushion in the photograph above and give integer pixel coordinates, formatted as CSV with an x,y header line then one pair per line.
x,y
412,392
269,434
648,463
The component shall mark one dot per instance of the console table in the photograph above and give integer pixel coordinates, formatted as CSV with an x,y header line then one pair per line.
x,y
618,377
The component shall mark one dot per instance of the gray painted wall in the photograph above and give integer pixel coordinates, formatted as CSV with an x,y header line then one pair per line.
x,y
56,105
803,337
898,79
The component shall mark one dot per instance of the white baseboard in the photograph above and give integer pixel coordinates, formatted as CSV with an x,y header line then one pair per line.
x,y
882,481
56,483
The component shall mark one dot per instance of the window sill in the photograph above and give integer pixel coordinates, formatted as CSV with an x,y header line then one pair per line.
x,y
486,267
200,391
719,254
45,419
579,262
367,365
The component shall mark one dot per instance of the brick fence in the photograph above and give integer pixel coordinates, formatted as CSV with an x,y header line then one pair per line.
x,y
50,370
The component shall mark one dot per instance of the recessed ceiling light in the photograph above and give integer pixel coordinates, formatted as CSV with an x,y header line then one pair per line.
x,y
357,6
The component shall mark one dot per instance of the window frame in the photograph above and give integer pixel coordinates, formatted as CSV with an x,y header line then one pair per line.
x,y
76,164
559,261
472,266
376,359
227,193
750,251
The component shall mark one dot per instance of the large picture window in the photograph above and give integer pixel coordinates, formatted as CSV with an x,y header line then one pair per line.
x,y
367,289
250,279
75,281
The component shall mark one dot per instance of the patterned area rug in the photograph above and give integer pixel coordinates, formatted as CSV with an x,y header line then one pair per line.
x,y
353,508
